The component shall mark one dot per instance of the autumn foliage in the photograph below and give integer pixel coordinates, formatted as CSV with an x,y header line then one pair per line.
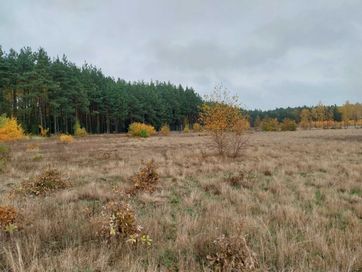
x,y
145,179
78,130
48,181
66,139
10,130
8,216
222,117
141,130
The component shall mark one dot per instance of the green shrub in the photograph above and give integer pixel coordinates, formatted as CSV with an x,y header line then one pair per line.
x,y
270,124
288,125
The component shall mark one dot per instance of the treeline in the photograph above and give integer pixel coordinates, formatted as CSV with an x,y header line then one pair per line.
x,y
347,114
54,93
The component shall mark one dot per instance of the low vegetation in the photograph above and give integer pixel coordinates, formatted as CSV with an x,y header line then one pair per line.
x,y
66,139
50,180
10,130
141,130
165,130
278,207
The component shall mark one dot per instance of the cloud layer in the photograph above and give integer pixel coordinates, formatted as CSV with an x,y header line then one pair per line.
x,y
271,53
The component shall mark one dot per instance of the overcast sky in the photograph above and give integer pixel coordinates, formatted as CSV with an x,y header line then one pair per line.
x,y
271,53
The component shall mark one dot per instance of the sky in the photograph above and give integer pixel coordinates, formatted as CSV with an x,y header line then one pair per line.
x,y
270,53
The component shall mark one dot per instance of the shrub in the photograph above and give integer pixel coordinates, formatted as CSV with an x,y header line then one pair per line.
x,y
43,131
145,179
48,181
118,221
78,130
196,127
288,125
66,139
10,130
186,128
270,124
8,217
231,254
165,130
223,118
141,130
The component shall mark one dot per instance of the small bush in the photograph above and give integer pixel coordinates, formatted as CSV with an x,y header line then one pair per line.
x,y
78,130
145,179
186,128
8,216
196,127
270,124
141,130
10,130
49,181
66,139
43,131
118,221
231,254
165,130
288,125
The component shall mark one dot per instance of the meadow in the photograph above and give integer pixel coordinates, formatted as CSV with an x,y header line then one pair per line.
x,y
292,201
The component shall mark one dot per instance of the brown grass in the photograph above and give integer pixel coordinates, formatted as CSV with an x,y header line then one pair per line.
x,y
292,202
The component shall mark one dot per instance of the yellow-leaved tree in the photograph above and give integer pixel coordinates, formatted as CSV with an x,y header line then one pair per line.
x,y
222,116
10,130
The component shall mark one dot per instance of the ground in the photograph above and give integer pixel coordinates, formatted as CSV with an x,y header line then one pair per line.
x,y
296,198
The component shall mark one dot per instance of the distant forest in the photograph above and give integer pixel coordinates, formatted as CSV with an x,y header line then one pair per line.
x,y
54,93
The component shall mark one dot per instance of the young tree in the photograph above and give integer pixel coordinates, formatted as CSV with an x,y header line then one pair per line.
x,y
222,117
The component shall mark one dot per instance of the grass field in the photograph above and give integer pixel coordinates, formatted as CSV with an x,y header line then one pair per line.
x,y
296,198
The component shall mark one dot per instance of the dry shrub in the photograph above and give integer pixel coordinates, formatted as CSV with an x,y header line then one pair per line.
x,y
118,221
66,139
231,254
43,131
165,130
141,130
241,179
49,181
222,117
8,216
196,127
145,179
10,130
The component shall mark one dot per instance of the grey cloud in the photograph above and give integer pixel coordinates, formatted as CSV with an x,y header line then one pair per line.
x,y
271,53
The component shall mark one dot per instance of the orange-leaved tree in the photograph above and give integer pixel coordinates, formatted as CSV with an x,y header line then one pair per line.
x,y
222,116
10,130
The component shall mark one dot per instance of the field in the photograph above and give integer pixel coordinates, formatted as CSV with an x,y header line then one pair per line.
x,y
295,197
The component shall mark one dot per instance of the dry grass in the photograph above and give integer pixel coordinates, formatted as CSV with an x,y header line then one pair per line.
x,y
291,202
